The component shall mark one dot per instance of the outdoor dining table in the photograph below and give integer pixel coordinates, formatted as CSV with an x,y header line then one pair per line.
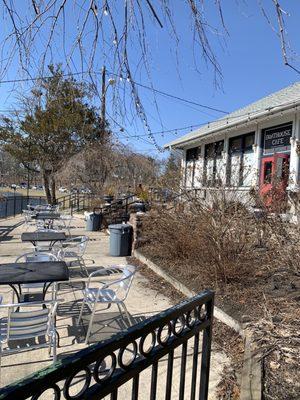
x,y
17,274
52,237
46,215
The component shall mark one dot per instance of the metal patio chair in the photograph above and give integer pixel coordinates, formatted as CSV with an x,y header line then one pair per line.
x,y
73,249
110,292
36,256
64,223
25,321
27,214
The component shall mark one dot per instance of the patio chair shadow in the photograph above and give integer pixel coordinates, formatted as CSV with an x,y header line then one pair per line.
x,y
7,229
76,269
105,324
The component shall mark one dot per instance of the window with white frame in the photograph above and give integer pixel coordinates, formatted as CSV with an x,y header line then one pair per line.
x,y
213,163
241,160
191,158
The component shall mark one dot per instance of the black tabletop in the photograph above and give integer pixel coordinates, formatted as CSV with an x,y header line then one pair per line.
x,y
46,215
33,272
43,236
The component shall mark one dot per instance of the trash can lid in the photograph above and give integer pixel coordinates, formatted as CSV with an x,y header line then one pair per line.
x,y
120,227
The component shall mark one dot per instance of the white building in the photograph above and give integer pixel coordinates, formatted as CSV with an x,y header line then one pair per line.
x,y
248,148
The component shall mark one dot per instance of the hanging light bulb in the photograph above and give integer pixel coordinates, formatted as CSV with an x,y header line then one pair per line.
x,y
105,12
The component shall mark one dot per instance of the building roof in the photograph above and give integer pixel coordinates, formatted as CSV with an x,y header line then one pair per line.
x,y
285,98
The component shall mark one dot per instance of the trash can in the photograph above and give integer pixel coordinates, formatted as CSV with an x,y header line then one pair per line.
x,y
93,222
120,240
139,206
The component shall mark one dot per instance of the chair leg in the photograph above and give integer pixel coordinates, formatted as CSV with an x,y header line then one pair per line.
x,y
82,265
53,340
90,325
129,318
81,311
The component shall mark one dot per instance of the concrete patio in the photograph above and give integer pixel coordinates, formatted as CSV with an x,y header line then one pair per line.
x,y
142,302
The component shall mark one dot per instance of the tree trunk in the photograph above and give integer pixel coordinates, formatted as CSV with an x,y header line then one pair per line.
x,y
53,191
47,188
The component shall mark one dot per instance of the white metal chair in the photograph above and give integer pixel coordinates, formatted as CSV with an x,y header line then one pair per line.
x,y
63,223
36,257
35,321
73,248
111,292
27,214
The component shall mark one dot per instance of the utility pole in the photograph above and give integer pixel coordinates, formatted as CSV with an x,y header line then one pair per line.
x,y
103,99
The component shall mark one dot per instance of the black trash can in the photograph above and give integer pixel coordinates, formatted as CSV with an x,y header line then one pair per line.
x,y
139,206
93,222
120,243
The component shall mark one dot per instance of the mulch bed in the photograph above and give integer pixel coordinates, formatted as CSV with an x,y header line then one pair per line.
x,y
268,300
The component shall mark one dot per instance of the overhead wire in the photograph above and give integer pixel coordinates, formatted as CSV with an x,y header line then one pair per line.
x,y
162,132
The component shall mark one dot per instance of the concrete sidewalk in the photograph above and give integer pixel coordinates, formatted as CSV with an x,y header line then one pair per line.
x,y
142,302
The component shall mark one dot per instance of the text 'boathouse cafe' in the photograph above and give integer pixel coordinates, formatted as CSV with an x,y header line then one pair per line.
x,y
252,147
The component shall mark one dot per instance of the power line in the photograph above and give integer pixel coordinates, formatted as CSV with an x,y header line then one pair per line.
x,y
171,95
120,77
226,118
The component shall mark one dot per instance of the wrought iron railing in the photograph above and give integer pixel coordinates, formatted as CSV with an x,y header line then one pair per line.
x,y
119,208
105,370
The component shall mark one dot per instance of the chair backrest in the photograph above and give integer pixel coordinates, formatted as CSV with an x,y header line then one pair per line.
x,y
83,243
78,244
27,215
36,257
36,320
67,219
122,285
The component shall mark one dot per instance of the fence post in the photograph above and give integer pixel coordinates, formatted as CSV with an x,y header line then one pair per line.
x,y
78,201
206,352
14,204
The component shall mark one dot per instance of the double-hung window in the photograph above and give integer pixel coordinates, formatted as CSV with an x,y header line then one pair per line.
x,y
213,163
241,160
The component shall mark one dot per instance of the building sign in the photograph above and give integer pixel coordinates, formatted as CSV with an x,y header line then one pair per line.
x,y
277,139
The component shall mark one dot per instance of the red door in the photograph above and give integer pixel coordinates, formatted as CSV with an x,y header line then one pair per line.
x,y
274,180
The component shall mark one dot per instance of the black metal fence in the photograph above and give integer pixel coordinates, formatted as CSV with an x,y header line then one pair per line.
x,y
11,206
116,367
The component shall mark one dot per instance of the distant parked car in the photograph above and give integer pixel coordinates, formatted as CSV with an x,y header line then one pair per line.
x,y
33,187
85,190
62,190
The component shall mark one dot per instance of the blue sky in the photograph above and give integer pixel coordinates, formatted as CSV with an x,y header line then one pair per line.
x,y
249,56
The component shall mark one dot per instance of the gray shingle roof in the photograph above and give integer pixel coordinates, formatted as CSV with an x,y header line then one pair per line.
x,y
275,101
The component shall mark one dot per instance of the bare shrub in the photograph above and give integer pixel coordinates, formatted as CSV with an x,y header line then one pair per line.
x,y
218,235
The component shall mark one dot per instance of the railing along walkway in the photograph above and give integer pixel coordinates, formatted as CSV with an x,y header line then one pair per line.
x,y
104,369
